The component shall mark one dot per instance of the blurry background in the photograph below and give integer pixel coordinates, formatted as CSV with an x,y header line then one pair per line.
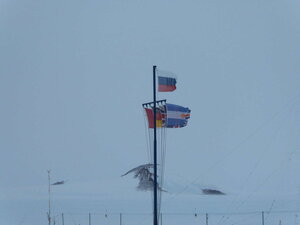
x,y
73,76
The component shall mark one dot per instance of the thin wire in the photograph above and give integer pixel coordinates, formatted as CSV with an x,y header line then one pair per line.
x,y
148,151
185,213
161,148
252,193
255,166
237,147
271,207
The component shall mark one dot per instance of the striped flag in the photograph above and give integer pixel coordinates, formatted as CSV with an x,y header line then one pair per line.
x,y
159,118
166,84
177,116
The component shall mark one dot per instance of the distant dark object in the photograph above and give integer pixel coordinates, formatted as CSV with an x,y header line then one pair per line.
x,y
58,183
212,192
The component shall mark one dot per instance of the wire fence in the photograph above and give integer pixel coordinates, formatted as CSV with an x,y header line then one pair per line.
x,y
239,218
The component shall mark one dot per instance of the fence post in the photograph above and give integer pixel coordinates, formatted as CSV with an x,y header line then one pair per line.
x,y
120,218
206,216
62,219
263,218
90,219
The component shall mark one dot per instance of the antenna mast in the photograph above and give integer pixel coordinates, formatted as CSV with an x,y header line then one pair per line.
x,y
49,201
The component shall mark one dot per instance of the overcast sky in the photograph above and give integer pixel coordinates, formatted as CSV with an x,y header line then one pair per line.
x,y
73,76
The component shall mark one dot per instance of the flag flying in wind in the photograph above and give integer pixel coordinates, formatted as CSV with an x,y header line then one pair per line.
x,y
169,116
177,116
159,117
166,84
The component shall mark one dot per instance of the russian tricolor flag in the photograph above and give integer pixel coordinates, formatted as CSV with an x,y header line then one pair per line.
x,y
166,84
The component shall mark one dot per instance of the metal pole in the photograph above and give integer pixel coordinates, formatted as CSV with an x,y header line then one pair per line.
x,y
263,217
155,222
206,216
120,218
90,219
49,201
62,219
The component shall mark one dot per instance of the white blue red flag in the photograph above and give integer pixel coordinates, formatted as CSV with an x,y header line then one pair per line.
x,y
177,116
166,84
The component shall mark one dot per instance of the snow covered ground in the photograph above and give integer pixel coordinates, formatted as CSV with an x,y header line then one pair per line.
x,y
181,204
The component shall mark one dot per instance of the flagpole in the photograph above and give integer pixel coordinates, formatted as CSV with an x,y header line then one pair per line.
x,y
49,202
155,221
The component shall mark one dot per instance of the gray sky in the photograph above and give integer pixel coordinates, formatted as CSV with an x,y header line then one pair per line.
x,y
73,76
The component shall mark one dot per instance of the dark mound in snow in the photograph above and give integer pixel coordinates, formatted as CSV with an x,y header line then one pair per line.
x,y
212,192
